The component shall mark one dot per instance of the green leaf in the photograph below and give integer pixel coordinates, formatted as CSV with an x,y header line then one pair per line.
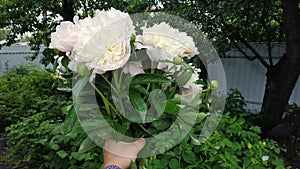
x,y
133,165
201,116
120,130
189,157
65,61
182,77
62,154
80,84
139,89
149,78
171,107
195,141
158,100
161,125
87,145
70,120
139,104
201,82
188,115
174,164
53,145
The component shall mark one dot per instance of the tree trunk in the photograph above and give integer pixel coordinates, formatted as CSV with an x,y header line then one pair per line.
x,y
282,77
67,10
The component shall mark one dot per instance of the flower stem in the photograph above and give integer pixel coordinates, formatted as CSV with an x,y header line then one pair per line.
x,y
107,104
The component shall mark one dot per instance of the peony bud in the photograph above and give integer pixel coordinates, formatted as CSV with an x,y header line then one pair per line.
x,y
54,76
177,60
214,84
83,70
132,38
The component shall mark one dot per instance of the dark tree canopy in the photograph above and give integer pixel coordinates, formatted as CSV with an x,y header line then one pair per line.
x,y
41,17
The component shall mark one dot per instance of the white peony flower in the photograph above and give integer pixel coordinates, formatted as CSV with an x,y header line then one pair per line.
x,y
164,43
104,43
133,68
190,90
65,37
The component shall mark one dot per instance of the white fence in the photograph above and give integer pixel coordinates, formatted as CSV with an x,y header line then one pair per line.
x,y
248,77
16,55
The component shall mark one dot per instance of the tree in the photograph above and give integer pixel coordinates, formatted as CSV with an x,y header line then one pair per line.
x,y
231,23
41,17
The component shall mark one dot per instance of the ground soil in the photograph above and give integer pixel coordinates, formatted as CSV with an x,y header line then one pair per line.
x,y
3,150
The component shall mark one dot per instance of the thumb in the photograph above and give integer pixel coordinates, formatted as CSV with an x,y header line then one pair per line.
x,y
139,144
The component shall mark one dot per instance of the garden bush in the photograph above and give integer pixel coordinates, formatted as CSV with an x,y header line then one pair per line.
x,y
26,91
30,106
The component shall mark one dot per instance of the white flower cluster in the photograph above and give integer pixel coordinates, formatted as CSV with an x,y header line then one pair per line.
x,y
165,43
102,43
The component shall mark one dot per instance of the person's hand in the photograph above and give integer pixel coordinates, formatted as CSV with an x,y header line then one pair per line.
x,y
121,153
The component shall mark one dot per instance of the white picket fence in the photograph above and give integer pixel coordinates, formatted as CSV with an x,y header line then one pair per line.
x,y
248,77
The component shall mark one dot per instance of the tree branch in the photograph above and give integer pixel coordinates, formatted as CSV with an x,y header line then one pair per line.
x,y
239,38
244,53
264,20
256,54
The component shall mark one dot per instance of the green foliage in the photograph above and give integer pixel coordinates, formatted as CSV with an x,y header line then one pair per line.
x,y
27,91
228,22
235,144
30,107
70,146
27,138
3,34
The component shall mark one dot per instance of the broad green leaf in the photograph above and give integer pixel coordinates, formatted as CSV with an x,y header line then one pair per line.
x,y
171,107
188,115
161,125
182,77
53,145
158,100
189,157
87,145
95,124
139,89
139,104
70,120
201,82
174,164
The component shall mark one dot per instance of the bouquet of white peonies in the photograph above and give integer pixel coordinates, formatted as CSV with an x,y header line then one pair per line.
x,y
129,84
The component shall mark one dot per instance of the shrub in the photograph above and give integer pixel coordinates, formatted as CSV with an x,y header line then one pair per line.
x,y
27,91
236,143
30,107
